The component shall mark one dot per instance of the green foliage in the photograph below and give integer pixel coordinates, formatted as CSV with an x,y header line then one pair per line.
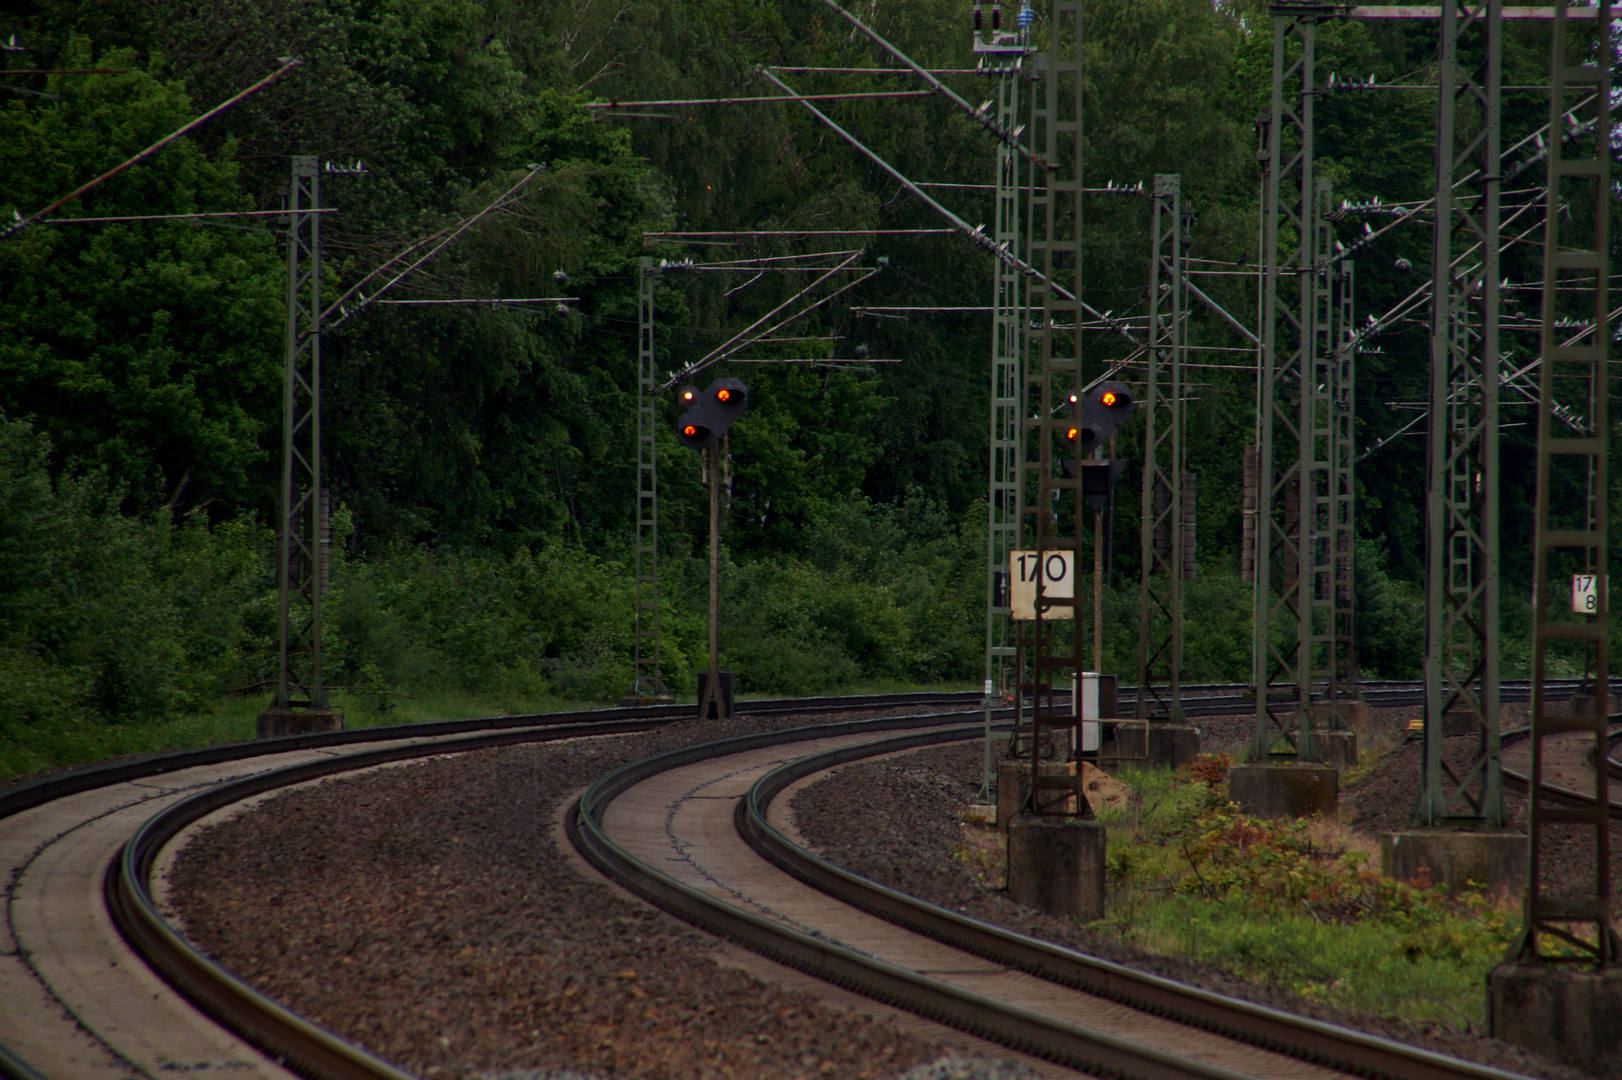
x,y
147,349
1294,904
103,615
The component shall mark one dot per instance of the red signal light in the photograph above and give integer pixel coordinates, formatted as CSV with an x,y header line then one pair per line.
x,y
689,394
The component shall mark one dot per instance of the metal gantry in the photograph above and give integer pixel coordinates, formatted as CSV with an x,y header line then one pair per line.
x,y
1462,592
1160,587
301,554
1573,495
649,681
1003,501
1050,469
1289,336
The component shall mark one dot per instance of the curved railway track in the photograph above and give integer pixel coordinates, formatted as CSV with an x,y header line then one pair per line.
x,y
79,849
78,1000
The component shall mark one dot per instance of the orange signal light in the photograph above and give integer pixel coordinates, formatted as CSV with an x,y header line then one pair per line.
x,y
1071,433
690,431
1109,399
723,394
689,394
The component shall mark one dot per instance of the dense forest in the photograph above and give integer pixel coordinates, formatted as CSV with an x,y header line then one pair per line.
x,y
482,458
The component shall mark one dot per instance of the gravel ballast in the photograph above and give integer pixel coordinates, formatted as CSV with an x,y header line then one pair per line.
x,y
427,913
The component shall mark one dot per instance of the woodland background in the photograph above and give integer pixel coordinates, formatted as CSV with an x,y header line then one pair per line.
x,y
483,459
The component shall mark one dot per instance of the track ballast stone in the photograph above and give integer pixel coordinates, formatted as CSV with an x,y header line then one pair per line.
x,y
426,913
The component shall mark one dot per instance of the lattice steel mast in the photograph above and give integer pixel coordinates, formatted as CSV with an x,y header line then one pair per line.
x,y
1289,334
301,556
1462,597
1004,500
1573,493
649,681
1160,586
1051,647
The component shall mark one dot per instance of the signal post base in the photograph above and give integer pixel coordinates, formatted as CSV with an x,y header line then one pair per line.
x,y
1056,865
280,720
1566,1014
1492,861
1285,791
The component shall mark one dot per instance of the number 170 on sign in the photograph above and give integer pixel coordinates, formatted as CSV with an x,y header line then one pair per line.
x,y
1058,572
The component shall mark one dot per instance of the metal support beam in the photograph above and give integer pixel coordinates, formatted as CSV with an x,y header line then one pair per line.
x,y
649,681
301,559
1343,690
1573,497
1051,467
1461,596
1007,391
1286,398
1160,586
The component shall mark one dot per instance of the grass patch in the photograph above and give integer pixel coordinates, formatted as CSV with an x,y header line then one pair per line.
x,y
1297,905
1293,904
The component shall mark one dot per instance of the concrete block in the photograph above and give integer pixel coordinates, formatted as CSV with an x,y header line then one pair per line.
x,y
1352,715
1170,744
1284,791
1492,861
1014,784
1573,1016
643,701
277,721
1056,865
1339,748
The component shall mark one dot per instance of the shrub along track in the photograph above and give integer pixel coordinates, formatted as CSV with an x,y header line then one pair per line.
x,y
78,999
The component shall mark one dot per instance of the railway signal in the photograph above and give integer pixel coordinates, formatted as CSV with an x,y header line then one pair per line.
x,y
1095,415
710,412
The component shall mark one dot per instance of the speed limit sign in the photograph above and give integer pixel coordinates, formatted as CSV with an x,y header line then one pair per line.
x,y
1058,572
1585,594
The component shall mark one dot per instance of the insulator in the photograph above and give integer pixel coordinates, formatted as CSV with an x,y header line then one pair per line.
x,y
979,18
1026,15
996,16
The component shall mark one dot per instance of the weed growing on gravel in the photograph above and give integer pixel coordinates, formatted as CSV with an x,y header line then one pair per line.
x,y
1294,904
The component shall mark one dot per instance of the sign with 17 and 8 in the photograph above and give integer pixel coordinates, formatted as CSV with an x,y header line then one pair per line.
x,y
1584,594
1058,572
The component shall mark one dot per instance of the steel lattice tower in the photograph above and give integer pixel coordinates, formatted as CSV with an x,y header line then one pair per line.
x,y
301,558
1050,467
1160,626
1462,597
1289,335
1572,526
1003,504
649,681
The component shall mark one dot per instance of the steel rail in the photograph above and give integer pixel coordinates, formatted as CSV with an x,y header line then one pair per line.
x,y
220,993
259,1019
1023,1029
1312,1040
133,904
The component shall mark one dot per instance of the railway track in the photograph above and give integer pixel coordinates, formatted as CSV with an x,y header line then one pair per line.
x,y
702,833
79,849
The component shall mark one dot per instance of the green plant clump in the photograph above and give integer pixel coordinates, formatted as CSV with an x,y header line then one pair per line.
x,y
1295,904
